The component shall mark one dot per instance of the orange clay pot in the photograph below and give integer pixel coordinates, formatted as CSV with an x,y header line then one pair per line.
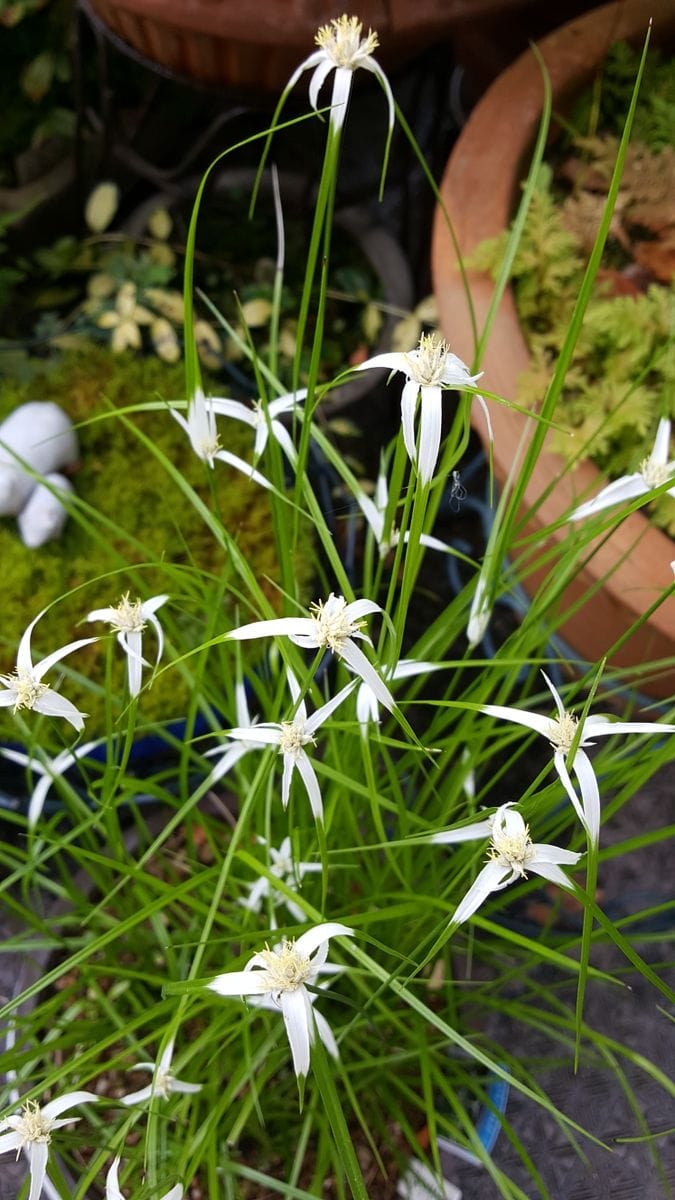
x,y
480,189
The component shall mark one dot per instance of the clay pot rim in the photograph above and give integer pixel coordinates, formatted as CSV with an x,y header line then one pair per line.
x,y
636,541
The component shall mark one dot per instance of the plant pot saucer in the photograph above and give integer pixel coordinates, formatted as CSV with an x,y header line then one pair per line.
x,y
628,571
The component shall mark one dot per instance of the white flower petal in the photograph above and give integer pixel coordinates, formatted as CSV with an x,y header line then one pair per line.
x,y
326,1034
601,727
297,1027
308,776
392,361
174,1193
279,626
556,695
112,1183
369,64
361,608
467,833
553,854
366,706
552,872
102,614
38,1153
520,716
356,659
257,735
290,763
318,79
322,714
234,409
310,941
240,983
590,795
9,1141
659,454
51,704
342,86
285,441
561,767
408,406
188,1089
229,758
55,1107
626,488
138,1097
44,665
239,464
431,414
492,877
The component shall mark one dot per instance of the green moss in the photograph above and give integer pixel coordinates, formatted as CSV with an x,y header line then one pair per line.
x,y
620,380
133,513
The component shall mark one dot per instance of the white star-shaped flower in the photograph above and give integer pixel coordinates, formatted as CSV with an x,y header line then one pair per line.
x,y
332,625
374,510
163,1081
264,421
200,426
128,619
343,50
654,470
512,855
281,975
283,867
25,689
49,770
561,731
428,369
31,1131
291,737
112,1185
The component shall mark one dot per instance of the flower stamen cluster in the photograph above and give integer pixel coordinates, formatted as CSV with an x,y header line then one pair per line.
x,y
33,1126
27,689
332,624
341,40
563,732
655,473
293,737
512,846
127,616
287,969
428,363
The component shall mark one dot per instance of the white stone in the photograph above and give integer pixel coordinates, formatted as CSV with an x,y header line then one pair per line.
x,y
43,516
41,434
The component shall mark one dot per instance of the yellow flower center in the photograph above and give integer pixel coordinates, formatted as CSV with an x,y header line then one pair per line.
x,y
293,737
164,1083
26,687
562,732
332,625
512,845
341,40
34,1126
653,473
428,364
128,617
287,970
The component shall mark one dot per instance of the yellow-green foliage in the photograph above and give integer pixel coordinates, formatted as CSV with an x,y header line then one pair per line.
x,y
136,515
622,375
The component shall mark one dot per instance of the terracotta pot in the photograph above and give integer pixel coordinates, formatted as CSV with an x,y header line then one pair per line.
x,y
235,43
480,190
